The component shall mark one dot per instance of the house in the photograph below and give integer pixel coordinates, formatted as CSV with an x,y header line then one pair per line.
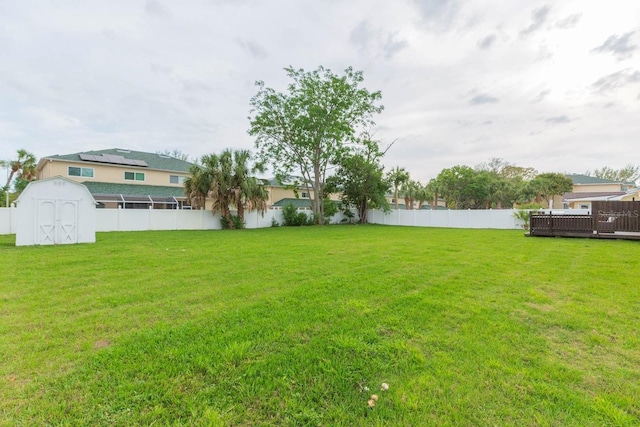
x,y
123,178
292,191
584,200
587,189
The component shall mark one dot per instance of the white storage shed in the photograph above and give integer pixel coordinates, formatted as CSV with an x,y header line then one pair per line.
x,y
55,211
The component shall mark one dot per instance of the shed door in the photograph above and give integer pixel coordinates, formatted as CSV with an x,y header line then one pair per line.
x,y
68,220
57,222
46,222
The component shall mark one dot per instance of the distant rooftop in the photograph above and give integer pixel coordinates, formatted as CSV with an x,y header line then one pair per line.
x,y
591,194
579,179
298,203
288,182
128,158
134,189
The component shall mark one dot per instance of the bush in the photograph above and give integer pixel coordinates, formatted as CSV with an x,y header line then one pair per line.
x,y
233,222
330,208
349,216
293,218
523,213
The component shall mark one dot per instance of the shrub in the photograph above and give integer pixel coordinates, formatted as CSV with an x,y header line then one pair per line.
x,y
330,208
349,216
523,213
293,218
233,222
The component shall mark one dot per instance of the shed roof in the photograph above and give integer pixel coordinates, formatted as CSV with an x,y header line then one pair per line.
x,y
33,184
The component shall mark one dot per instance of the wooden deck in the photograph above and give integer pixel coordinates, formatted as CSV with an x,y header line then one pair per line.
x,y
609,220
617,236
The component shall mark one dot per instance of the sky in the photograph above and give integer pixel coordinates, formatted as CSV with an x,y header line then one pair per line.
x,y
553,85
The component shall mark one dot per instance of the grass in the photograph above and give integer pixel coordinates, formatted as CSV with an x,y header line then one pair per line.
x,y
299,326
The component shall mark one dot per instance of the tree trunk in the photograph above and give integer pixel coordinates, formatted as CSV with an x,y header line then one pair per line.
x,y
395,196
318,210
362,212
9,179
241,212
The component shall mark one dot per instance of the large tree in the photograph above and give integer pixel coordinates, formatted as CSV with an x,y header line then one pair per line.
x,y
463,187
547,185
308,128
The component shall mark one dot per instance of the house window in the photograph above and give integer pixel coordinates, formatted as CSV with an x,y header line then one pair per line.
x,y
176,179
134,176
305,195
83,172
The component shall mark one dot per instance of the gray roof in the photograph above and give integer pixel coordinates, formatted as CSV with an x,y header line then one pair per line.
x,y
273,182
107,188
590,194
586,179
298,203
151,160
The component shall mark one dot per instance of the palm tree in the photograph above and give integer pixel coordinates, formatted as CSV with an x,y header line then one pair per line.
x,y
220,167
24,166
397,176
433,186
503,189
247,192
255,196
197,185
423,195
226,180
410,190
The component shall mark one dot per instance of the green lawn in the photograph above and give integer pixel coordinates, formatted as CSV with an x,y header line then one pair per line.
x,y
300,326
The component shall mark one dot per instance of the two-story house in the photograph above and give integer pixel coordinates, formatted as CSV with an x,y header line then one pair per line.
x,y
123,178
587,189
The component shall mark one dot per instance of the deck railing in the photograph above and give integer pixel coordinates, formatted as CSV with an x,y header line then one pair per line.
x,y
606,218
550,224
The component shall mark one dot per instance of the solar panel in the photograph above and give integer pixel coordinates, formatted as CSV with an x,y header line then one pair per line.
x,y
113,159
88,157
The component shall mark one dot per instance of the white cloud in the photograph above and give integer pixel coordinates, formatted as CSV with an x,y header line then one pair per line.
x,y
461,82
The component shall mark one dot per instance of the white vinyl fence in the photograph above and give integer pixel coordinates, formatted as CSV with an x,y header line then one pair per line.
x,y
500,218
8,220
160,219
486,218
